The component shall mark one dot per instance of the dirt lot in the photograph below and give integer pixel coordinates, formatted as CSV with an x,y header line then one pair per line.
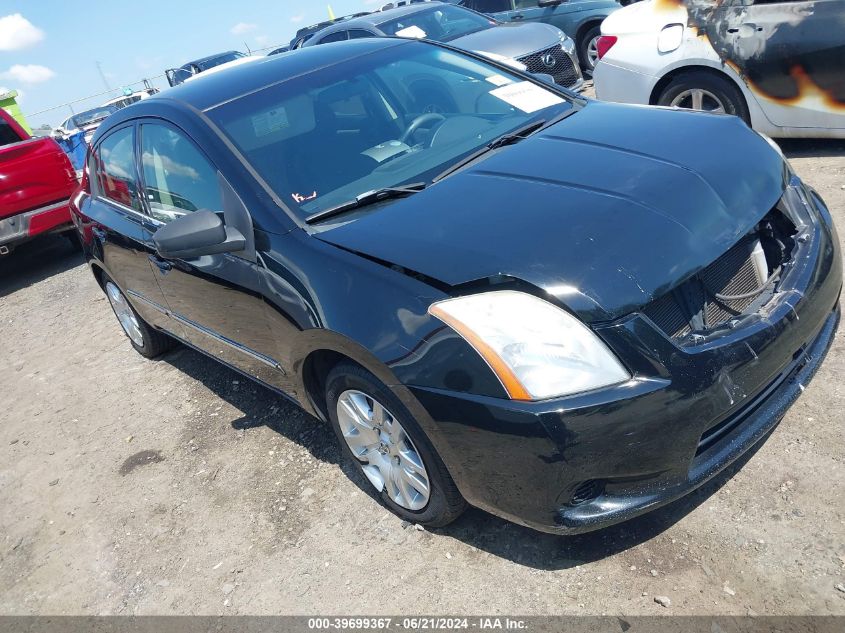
x,y
137,487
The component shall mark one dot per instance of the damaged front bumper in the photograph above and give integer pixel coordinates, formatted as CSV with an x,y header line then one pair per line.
x,y
587,461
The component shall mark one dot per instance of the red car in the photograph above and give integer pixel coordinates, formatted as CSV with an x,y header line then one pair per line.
x,y
36,183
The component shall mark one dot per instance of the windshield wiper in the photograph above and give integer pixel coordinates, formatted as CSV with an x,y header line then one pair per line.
x,y
505,139
365,199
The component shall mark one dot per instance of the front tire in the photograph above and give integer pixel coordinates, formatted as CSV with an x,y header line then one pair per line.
x,y
378,433
147,341
588,54
705,92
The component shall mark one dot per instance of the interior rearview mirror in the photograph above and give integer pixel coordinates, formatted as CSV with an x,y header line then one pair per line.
x,y
197,234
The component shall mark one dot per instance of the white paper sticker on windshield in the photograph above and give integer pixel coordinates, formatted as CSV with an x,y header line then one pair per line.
x,y
271,121
499,80
411,31
526,96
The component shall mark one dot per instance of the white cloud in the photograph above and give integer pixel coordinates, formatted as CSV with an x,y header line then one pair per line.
x,y
296,19
243,27
28,73
17,32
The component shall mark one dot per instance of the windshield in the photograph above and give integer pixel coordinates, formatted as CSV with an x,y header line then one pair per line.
x,y
93,116
397,116
442,23
217,61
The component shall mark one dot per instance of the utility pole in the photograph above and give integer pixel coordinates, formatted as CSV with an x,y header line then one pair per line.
x,y
103,77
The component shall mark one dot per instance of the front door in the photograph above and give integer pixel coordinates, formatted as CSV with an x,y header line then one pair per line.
x,y
216,298
502,10
791,55
118,229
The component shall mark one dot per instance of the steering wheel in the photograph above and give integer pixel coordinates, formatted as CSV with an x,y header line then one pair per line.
x,y
419,122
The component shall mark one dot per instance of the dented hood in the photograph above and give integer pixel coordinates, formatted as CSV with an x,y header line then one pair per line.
x,y
606,210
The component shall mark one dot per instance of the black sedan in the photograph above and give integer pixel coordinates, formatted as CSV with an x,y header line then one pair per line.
x,y
564,312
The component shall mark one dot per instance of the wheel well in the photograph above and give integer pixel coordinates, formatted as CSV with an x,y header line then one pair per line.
x,y
315,370
98,275
691,70
582,30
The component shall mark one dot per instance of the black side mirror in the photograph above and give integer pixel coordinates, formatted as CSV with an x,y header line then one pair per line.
x,y
197,234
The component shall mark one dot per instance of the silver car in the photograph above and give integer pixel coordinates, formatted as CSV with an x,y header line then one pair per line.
x,y
535,47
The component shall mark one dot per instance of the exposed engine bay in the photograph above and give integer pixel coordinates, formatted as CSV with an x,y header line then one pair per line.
x,y
740,282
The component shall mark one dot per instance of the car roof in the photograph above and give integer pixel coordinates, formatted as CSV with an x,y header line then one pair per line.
x,y
232,83
209,57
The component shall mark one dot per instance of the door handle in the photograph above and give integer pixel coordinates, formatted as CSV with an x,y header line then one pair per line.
x,y
100,234
163,266
517,17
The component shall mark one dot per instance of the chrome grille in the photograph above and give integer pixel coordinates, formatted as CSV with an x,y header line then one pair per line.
x,y
563,70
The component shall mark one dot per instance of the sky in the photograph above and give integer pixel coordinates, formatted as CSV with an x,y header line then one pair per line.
x,y
49,49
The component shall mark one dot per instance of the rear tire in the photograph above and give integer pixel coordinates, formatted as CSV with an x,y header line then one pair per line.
x,y
706,92
587,51
147,341
369,439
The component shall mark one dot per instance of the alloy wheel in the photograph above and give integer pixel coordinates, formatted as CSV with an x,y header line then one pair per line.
x,y
699,99
124,314
389,458
593,52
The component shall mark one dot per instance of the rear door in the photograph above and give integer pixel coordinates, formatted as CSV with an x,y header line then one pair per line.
x,y
216,298
34,172
120,232
792,56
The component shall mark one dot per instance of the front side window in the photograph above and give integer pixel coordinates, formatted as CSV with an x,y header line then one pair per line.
x,y
489,6
339,36
397,116
442,23
359,34
178,179
7,134
115,162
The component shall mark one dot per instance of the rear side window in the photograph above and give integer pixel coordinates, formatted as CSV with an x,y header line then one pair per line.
x,y
178,179
7,134
115,161
359,34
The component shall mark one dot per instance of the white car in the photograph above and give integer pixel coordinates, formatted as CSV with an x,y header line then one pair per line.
x,y
134,97
776,64
86,122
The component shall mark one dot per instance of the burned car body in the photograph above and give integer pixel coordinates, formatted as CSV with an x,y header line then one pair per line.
x,y
433,283
778,65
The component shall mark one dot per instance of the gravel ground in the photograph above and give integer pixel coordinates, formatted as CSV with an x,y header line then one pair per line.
x,y
177,487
